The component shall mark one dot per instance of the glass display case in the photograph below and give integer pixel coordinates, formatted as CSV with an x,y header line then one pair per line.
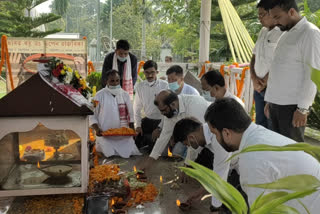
x,y
43,142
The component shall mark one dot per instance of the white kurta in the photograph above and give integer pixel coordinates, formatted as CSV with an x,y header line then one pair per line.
x,y
268,166
106,115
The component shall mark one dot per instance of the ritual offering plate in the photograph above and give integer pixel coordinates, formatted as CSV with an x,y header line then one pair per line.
x,y
56,170
123,131
34,155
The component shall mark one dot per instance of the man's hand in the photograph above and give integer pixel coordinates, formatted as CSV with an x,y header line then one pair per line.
x,y
266,111
299,119
145,164
196,196
97,130
257,84
139,131
155,134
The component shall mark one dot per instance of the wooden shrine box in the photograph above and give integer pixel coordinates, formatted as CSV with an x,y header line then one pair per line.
x,y
42,130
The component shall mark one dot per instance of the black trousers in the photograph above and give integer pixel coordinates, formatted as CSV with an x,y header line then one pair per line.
x,y
281,117
147,125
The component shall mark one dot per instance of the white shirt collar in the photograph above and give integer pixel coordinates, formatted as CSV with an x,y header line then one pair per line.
x,y
299,25
246,134
207,133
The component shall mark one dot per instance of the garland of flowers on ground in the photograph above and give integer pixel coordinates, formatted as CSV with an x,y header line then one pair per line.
x,y
66,75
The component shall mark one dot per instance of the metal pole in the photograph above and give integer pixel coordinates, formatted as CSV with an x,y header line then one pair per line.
x,y
111,48
205,24
143,45
98,30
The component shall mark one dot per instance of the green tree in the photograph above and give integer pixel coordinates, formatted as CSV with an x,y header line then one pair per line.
x,y
16,20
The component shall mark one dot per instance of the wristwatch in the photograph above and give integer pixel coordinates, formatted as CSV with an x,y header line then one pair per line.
x,y
303,110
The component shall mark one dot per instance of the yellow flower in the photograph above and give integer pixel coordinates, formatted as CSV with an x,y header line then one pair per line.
x,y
63,72
94,91
69,69
77,74
64,67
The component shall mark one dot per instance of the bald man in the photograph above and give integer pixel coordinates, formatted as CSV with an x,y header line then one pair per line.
x,y
174,108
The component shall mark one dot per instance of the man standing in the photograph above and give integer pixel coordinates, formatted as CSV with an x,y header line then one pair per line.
x,y
146,91
290,90
125,63
235,131
261,60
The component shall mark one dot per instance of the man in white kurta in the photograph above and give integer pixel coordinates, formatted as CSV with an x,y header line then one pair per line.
x,y
106,115
194,134
235,131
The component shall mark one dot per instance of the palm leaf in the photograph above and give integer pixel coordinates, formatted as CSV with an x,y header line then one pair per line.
x,y
221,189
310,149
315,77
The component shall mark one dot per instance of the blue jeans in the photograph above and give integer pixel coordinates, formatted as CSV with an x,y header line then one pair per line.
x,y
261,119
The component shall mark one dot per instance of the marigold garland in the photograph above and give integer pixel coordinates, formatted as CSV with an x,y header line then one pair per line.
x,y
5,56
141,64
222,70
90,67
103,173
203,69
123,131
241,84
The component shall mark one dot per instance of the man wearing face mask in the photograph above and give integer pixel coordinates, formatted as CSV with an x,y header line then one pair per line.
x,y
235,131
194,134
113,110
213,85
146,91
176,81
174,108
124,62
291,92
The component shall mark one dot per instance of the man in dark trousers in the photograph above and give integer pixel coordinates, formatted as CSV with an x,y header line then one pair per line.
x,y
124,62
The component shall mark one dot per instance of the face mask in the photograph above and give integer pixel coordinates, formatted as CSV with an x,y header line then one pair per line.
x,y
121,59
206,95
174,86
114,89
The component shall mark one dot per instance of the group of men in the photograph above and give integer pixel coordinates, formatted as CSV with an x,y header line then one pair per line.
x,y
209,128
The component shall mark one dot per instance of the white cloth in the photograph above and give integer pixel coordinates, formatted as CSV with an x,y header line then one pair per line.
x,y
268,166
264,49
127,83
220,166
188,89
106,115
289,80
144,99
189,106
230,95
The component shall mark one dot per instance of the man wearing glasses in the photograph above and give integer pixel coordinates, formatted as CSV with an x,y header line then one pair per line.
x,y
261,60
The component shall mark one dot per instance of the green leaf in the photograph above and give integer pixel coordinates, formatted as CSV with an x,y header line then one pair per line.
x,y
273,204
310,149
293,183
221,189
315,77
262,199
283,209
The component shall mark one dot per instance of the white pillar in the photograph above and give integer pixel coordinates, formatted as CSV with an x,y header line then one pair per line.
x,y
205,24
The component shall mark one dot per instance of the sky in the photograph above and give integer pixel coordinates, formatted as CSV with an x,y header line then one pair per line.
x,y
44,7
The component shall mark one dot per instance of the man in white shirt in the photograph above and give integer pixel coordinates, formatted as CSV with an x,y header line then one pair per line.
x,y
193,133
174,108
176,81
213,83
261,60
235,131
146,91
290,90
